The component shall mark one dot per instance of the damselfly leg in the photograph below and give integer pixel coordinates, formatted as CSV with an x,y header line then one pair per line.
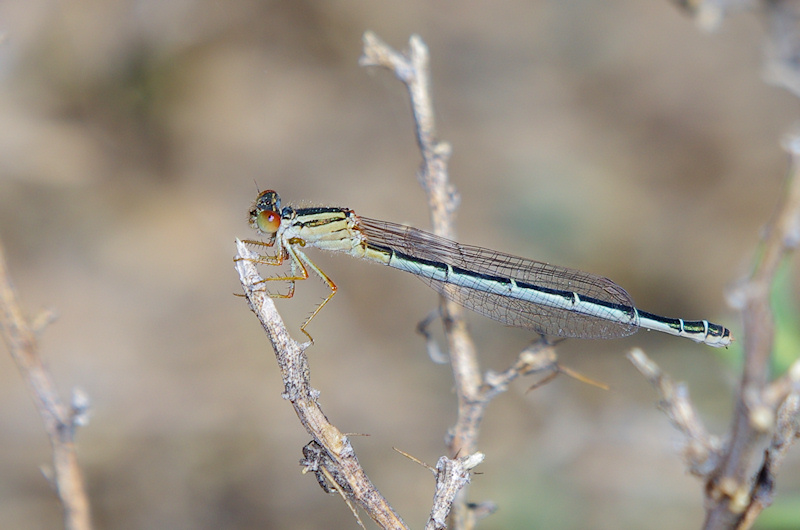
x,y
299,265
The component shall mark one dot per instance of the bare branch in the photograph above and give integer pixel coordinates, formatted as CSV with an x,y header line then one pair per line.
x,y
701,451
474,391
740,475
336,465
60,421
733,486
786,433
538,357
412,70
451,476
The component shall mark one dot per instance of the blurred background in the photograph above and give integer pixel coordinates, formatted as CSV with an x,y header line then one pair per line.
x,y
610,136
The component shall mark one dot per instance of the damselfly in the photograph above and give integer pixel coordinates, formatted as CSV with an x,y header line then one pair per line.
x,y
550,300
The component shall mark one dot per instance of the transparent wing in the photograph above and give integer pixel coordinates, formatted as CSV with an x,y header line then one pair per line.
x,y
546,320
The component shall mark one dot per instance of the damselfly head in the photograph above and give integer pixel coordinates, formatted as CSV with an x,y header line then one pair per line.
x,y
265,216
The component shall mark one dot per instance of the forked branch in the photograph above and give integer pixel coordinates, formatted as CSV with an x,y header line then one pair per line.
x,y
740,474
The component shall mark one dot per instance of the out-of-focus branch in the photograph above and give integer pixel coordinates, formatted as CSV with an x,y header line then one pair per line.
x,y
701,451
60,421
739,476
787,430
782,21
733,493
709,13
412,70
330,456
782,50
474,391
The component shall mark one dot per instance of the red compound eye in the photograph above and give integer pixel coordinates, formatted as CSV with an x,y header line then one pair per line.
x,y
268,221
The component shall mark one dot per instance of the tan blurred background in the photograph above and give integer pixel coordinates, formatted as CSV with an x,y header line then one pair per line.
x,y
611,136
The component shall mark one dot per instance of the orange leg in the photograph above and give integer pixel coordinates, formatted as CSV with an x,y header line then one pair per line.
x,y
300,264
303,261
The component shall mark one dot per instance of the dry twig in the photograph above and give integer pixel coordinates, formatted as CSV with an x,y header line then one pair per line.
x,y
60,421
330,456
739,475
702,450
734,492
451,477
473,390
